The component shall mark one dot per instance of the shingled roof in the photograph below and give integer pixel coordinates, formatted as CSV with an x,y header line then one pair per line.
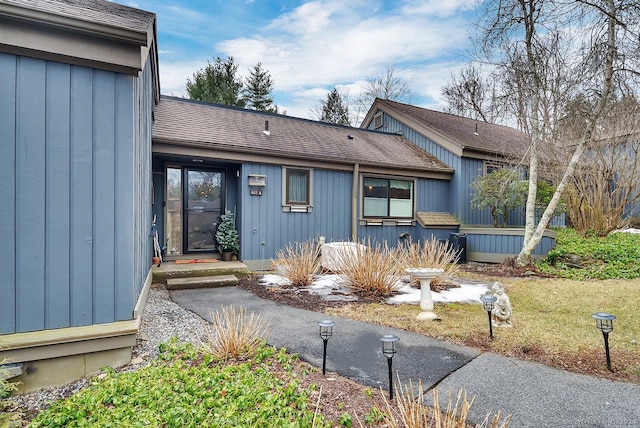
x,y
92,11
195,124
458,134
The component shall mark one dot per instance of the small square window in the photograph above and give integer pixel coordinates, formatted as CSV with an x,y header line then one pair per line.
x,y
296,189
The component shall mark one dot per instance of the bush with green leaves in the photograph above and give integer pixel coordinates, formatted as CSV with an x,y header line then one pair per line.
x,y
189,388
227,235
8,418
592,257
501,191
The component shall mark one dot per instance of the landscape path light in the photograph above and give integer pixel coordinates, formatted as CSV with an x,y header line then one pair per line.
x,y
604,322
326,331
488,301
389,350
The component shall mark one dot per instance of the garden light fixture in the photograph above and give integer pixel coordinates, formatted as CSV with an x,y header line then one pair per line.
x,y
326,331
488,301
389,350
604,322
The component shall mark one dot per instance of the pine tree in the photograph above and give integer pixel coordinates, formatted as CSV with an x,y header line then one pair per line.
x,y
217,83
334,109
227,235
258,88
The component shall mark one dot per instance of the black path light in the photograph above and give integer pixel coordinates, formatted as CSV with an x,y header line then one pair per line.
x,y
326,331
389,350
488,301
604,322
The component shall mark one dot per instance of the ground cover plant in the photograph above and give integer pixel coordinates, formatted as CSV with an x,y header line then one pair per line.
x,y
593,257
189,388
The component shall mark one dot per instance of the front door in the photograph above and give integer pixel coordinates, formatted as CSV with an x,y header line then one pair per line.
x,y
195,201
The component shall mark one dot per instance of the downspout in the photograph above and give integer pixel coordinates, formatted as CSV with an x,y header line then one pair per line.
x,y
354,203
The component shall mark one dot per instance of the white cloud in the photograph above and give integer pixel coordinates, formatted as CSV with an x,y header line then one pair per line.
x,y
324,43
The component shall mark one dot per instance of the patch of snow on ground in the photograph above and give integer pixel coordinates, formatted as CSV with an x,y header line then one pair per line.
x,y
333,287
275,280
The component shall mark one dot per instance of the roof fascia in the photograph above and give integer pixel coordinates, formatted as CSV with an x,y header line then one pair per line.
x,y
103,47
194,150
434,135
68,23
469,152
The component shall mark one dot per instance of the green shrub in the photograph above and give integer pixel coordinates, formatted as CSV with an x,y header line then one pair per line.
x,y
591,257
8,418
179,392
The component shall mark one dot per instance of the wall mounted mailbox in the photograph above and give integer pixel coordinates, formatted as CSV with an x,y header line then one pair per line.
x,y
257,180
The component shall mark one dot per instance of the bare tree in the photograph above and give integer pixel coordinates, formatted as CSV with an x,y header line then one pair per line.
x,y
470,93
605,190
531,39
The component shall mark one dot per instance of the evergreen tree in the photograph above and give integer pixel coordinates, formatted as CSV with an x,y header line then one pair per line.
x,y
334,109
217,83
257,90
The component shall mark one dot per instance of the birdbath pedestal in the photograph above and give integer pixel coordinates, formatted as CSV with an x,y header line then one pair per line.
x,y
425,275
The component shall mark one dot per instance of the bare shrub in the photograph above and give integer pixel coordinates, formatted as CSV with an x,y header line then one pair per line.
x,y
412,413
371,270
429,254
233,334
299,262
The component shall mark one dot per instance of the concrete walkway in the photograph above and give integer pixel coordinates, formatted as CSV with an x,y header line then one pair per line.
x,y
536,395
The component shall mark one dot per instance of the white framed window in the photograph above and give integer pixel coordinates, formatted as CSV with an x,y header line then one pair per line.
x,y
378,120
387,198
296,189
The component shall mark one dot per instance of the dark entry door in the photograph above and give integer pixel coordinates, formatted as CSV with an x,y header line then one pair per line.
x,y
203,205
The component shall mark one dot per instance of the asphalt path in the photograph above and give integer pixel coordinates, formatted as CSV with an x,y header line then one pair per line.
x,y
536,395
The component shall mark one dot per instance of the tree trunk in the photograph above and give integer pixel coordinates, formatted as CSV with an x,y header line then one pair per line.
x,y
525,256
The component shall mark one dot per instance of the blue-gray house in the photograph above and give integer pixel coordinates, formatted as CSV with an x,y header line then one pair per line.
x,y
90,153
78,84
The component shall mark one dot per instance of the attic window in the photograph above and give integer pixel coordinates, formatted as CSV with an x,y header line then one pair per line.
x,y
377,121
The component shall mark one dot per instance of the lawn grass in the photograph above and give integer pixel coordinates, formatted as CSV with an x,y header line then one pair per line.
x,y
551,322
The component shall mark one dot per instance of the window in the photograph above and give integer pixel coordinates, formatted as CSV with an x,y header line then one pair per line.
x,y
377,121
296,189
387,198
490,167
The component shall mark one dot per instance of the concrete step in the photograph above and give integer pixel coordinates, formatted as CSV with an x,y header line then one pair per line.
x,y
201,282
171,270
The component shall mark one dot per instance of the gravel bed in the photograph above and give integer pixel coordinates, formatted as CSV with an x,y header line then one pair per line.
x,y
161,320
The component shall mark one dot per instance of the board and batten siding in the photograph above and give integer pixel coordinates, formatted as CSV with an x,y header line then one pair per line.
x,y
74,185
265,228
456,197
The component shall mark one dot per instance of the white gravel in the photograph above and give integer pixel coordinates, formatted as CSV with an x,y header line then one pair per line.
x,y
161,320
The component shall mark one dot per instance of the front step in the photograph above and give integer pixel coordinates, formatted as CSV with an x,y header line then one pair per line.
x,y
202,282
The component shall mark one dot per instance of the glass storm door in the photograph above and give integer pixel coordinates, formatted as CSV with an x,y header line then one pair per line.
x,y
203,205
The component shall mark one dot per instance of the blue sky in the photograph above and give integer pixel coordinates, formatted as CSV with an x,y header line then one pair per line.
x,y
311,46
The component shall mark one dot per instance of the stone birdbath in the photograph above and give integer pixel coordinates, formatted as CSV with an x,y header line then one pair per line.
x,y
425,275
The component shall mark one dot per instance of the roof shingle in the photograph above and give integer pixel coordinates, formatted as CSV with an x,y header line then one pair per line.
x,y
465,132
96,11
190,123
